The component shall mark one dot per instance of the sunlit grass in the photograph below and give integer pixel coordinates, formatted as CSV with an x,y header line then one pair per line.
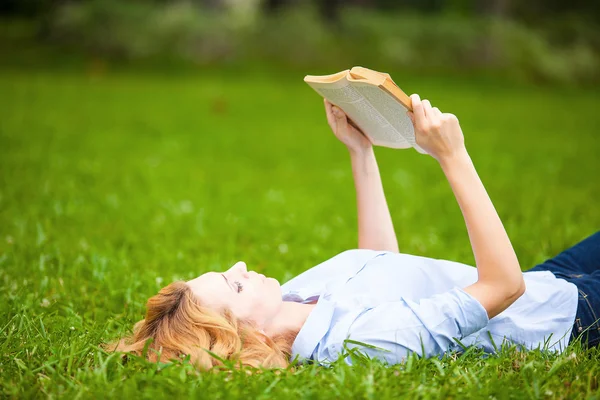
x,y
113,186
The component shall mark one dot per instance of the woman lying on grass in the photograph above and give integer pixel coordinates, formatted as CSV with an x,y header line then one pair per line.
x,y
394,303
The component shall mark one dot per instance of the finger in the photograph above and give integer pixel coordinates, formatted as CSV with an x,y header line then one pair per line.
x,y
418,111
449,117
340,117
435,116
353,124
427,108
327,106
329,113
337,112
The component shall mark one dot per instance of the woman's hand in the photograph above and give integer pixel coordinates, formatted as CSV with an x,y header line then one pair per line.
x,y
438,133
352,137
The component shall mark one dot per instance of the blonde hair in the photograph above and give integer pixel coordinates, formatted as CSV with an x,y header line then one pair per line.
x,y
179,326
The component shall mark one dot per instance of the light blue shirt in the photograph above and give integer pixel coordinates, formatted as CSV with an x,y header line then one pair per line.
x,y
402,303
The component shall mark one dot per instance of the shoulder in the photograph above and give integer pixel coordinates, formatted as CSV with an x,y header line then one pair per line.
x,y
344,264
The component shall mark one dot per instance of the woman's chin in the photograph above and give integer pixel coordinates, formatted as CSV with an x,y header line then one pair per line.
x,y
273,282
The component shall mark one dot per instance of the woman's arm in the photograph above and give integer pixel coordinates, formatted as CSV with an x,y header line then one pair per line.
x,y
500,280
375,228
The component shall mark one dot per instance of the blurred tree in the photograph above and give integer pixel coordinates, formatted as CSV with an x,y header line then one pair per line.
x,y
493,8
328,9
273,6
212,4
496,9
531,11
26,8
534,11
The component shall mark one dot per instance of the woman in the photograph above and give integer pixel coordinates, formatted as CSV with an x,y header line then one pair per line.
x,y
394,303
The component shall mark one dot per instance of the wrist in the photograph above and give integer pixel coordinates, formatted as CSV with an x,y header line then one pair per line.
x,y
360,151
455,159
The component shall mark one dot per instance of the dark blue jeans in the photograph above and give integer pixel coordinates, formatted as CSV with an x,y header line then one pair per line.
x,y
580,265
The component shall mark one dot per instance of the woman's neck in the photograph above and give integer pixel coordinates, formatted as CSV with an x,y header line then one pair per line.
x,y
291,317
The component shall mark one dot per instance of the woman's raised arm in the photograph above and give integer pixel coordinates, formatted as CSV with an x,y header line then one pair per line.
x,y
375,227
500,280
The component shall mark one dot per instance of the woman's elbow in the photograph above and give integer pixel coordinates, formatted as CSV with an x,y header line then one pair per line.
x,y
517,289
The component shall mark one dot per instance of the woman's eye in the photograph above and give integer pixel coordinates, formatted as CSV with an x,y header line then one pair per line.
x,y
240,287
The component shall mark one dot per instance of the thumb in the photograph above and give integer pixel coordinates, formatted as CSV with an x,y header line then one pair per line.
x,y
411,115
337,112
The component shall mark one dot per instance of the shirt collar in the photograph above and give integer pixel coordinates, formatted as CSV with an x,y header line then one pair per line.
x,y
314,329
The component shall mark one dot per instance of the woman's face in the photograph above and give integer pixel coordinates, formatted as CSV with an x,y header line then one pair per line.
x,y
248,295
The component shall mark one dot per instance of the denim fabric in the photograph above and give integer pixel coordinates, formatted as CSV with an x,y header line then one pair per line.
x,y
580,265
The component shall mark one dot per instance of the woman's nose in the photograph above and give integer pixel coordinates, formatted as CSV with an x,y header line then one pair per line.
x,y
241,267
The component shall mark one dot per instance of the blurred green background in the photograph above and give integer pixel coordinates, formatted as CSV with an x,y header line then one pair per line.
x,y
147,141
541,41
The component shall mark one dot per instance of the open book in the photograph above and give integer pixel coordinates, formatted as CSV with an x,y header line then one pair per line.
x,y
373,102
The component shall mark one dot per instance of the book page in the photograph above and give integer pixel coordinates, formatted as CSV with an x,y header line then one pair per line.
x,y
392,111
359,102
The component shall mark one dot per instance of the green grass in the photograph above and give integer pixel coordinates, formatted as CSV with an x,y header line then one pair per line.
x,y
112,186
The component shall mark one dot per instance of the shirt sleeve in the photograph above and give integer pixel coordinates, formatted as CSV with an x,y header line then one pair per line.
x,y
427,327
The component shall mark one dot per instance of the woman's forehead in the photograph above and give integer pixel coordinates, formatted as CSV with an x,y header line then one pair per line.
x,y
207,283
211,290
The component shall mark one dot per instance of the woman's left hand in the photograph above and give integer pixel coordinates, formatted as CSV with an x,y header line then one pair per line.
x,y
352,137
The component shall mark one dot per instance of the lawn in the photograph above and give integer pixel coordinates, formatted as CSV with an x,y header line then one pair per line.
x,y
113,185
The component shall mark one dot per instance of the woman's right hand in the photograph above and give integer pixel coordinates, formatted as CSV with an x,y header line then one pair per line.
x,y
438,133
354,139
